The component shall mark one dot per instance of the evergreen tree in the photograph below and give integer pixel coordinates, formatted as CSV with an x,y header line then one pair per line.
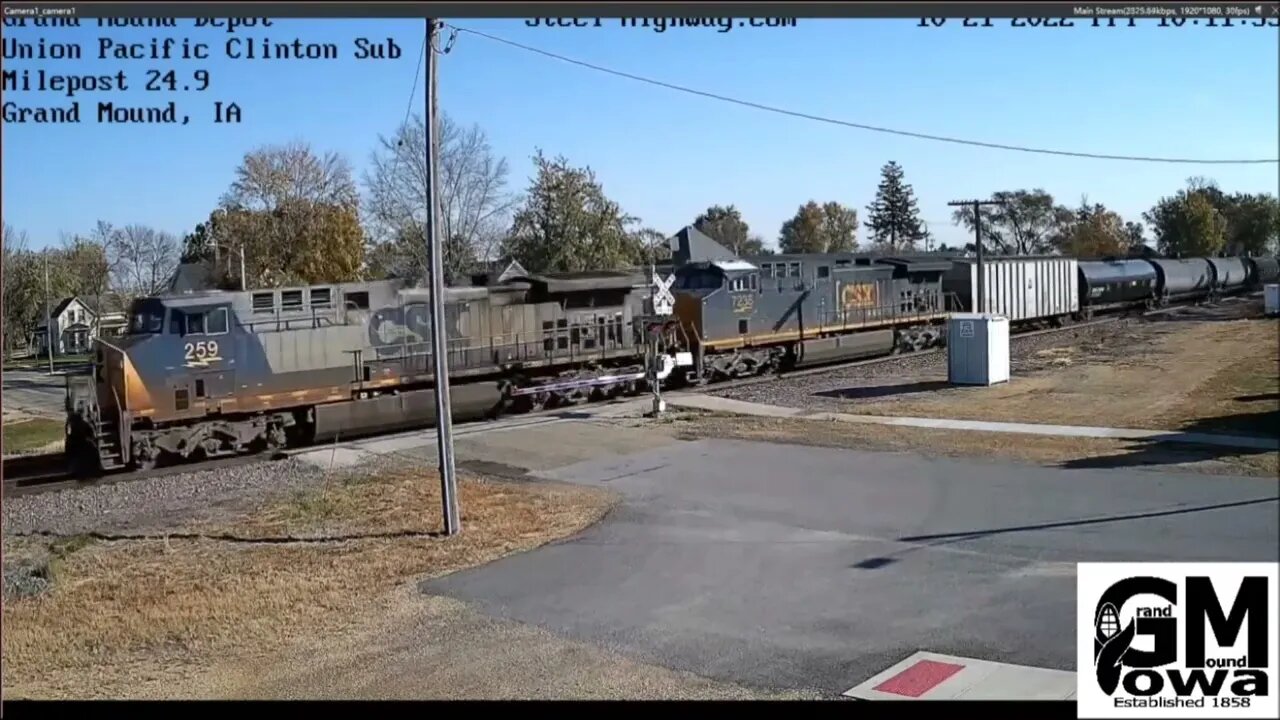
x,y
893,218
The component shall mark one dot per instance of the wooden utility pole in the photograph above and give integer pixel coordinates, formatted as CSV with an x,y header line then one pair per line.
x,y
439,332
48,317
977,206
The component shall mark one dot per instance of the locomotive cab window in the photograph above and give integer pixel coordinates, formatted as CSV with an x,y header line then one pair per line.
x,y
195,323
215,322
824,271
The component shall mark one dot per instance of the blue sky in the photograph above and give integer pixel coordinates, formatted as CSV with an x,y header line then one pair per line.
x,y
1204,92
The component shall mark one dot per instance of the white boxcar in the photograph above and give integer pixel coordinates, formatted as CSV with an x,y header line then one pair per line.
x,y
1021,289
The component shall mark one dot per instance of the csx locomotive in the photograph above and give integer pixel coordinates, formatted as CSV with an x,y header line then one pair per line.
x,y
216,373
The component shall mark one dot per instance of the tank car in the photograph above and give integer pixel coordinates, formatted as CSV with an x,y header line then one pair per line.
x,y
1182,279
217,373
1229,274
1263,270
750,315
1115,284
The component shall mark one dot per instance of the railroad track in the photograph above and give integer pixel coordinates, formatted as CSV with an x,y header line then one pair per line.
x,y
34,474
822,369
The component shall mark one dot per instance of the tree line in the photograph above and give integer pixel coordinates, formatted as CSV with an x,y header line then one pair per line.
x,y
103,267
1198,220
297,216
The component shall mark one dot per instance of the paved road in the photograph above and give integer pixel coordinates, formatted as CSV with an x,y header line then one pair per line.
x,y
34,392
792,567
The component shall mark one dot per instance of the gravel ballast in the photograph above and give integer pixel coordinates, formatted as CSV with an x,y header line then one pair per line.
x,y
152,505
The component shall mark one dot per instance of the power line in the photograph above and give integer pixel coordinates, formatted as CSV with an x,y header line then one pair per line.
x,y
860,126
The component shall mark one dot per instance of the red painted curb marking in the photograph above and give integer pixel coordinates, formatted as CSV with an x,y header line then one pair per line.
x,y
919,678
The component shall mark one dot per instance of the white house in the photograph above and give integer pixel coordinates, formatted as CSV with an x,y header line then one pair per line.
x,y
76,324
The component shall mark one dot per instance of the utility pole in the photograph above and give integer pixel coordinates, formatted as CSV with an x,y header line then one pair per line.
x,y
977,239
48,316
439,333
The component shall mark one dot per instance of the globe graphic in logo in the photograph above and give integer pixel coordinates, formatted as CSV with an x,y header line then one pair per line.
x,y
1108,621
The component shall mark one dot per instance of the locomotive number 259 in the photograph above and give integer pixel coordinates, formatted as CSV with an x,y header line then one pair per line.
x,y
202,350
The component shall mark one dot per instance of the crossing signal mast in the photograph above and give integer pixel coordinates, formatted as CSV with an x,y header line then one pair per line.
x,y
662,304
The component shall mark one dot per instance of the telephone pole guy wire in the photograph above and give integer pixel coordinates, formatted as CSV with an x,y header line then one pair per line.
x,y
439,332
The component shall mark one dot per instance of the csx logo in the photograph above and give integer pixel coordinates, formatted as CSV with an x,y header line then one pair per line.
x,y
859,296
200,354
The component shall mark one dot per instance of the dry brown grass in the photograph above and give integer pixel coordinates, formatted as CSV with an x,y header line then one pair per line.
x,y
1042,450
123,614
1164,376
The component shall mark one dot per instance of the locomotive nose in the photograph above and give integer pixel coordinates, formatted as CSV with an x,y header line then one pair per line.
x,y
120,386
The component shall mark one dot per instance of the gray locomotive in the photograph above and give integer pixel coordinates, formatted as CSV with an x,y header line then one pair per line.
x,y
217,373
751,315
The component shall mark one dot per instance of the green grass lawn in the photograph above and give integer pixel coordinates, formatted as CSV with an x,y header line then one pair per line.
x,y
28,435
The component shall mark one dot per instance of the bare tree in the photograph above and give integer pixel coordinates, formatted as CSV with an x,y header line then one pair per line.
x,y
475,209
141,258
20,287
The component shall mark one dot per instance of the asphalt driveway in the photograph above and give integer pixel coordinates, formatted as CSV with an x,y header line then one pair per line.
x,y
783,566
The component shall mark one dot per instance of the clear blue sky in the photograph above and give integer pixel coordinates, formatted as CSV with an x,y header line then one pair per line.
x,y
1206,92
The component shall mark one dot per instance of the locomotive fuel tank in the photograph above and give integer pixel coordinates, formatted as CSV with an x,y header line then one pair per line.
x,y
1229,273
1182,278
401,411
844,347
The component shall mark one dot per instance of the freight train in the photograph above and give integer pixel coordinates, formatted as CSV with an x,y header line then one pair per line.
x,y
778,312
218,373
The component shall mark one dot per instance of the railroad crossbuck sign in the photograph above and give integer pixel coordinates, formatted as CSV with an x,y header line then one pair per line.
x,y
663,301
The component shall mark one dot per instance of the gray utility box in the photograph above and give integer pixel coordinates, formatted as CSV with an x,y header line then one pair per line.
x,y
977,349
